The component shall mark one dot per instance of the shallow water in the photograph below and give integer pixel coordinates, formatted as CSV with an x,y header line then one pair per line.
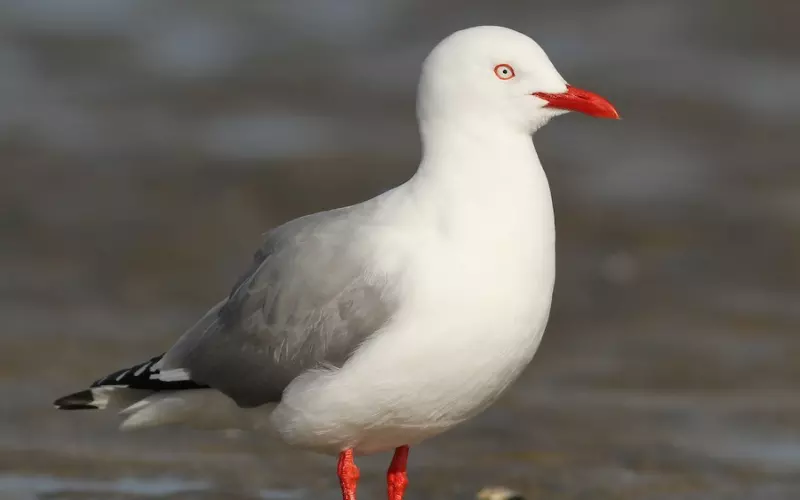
x,y
145,146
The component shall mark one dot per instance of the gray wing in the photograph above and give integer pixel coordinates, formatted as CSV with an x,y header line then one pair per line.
x,y
309,300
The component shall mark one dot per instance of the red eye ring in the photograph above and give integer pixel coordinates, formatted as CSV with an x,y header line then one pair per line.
x,y
504,72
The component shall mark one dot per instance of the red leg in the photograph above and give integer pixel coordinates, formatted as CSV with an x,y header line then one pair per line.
x,y
396,477
348,474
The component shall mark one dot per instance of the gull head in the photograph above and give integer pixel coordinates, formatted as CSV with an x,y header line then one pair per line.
x,y
501,79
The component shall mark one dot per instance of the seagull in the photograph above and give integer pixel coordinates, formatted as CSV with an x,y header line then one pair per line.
x,y
375,326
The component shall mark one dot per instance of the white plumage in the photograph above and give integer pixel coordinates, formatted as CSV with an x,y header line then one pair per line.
x,y
378,325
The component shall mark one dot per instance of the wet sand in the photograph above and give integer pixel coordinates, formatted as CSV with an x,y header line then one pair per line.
x,y
146,147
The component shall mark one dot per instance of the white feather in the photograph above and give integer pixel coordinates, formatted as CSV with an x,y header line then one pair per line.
x,y
174,375
115,396
198,408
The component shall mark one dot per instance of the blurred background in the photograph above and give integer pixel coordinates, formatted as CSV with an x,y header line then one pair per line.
x,y
146,145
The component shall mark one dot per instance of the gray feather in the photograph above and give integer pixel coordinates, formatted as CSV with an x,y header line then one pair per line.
x,y
308,300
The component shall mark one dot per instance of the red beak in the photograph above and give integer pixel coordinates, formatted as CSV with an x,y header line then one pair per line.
x,y
575,99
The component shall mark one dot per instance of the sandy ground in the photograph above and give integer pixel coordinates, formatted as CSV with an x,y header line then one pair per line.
x,y
145,146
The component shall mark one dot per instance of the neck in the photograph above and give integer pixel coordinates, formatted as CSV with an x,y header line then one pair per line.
x,y
483,190
473,167
454,144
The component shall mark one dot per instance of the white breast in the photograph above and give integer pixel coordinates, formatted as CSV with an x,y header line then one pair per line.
x,y
476,298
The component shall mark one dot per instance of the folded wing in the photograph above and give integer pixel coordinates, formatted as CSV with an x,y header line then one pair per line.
x,y
308,301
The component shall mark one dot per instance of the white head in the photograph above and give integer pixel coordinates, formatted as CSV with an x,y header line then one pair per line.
x,y
499,77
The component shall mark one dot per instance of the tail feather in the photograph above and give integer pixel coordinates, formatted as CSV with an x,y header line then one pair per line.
x,y
124,387
82,400
201,409
100,398
149,396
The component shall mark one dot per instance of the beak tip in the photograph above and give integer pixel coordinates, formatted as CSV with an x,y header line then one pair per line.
x,y
605,110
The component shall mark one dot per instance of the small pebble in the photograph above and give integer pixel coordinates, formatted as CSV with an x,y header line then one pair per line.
x,y
499,493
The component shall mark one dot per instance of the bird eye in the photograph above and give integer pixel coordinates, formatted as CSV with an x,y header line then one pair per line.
x,y
504,71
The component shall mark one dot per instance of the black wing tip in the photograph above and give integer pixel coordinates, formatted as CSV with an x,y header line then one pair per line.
x,y
83,400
